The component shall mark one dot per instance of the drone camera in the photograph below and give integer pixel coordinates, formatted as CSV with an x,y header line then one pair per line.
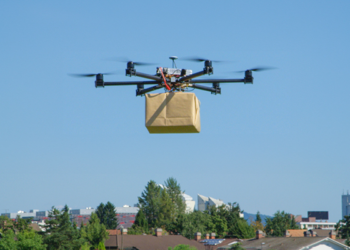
x,y
99,81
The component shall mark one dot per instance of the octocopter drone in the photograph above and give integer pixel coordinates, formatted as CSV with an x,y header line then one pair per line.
x,y
173,79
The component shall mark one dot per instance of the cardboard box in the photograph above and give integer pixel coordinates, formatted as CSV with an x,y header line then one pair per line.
x,y
173,112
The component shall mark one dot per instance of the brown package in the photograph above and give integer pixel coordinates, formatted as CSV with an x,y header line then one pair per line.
x,y
172,113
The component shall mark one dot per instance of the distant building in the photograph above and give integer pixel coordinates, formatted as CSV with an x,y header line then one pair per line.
x,y
345,204
81,216
190,203
22,214
205,202
126,216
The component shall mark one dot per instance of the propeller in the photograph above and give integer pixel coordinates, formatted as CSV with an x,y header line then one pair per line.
x,y
200,59
125,60
256,69
91,75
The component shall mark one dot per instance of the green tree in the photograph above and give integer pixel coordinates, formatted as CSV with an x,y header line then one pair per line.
x,y
30,240
182,247
237,246
106,215
101,246
257,224
94,232
60,232
281,222
344,229
141,222
174,190
258,217
149,202
6,224
7,241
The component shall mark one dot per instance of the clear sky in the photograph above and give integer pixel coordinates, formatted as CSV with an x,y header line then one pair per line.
x,y
279,144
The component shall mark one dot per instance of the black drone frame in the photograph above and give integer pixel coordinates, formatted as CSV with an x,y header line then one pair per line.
x,y
174,82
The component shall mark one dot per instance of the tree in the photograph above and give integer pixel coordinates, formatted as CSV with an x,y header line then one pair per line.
x,y
257,224
29,240
258,217
182,247
60,232
237,246
279,224
149,202
141,222
344,229
174,190
106,215
94,232
7,241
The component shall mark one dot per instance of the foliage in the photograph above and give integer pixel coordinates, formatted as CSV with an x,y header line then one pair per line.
x,y
344,230
106,215
94,232
149,202
281,222
237,246
141,225
101,246
174,190
7,241
6,223
27,239
30,240
182,247
60,232
257,224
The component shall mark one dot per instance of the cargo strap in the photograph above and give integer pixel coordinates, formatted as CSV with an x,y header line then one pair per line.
x,y
166,85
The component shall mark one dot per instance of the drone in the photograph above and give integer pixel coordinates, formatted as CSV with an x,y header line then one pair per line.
x,y
173,79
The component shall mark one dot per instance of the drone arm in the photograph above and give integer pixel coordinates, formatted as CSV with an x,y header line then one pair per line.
x,y
141,91
218,81
214,90
152,77
127,83
189,77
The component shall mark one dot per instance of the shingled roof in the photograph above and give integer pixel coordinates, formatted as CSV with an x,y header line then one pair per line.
x,y
150,242
288,243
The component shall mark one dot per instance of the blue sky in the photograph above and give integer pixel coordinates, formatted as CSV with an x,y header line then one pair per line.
x,y
279,144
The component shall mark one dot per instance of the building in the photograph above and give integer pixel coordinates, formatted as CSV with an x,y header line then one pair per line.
x,y
190,203
345,204
305,240
80,216
126,216
205,202
21,214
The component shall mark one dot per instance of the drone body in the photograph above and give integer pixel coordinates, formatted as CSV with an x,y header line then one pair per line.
x,y
173,79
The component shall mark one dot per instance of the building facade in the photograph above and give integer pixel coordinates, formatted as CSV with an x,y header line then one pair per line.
x,y
345,204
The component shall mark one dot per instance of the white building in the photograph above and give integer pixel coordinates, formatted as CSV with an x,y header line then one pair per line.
x,y
205,202
317,225
190,203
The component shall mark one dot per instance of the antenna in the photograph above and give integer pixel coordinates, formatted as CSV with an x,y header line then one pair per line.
x,y
173,58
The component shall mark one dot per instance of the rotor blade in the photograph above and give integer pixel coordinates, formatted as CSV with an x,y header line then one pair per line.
x,y
125,60
255,69
91,74
200,59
